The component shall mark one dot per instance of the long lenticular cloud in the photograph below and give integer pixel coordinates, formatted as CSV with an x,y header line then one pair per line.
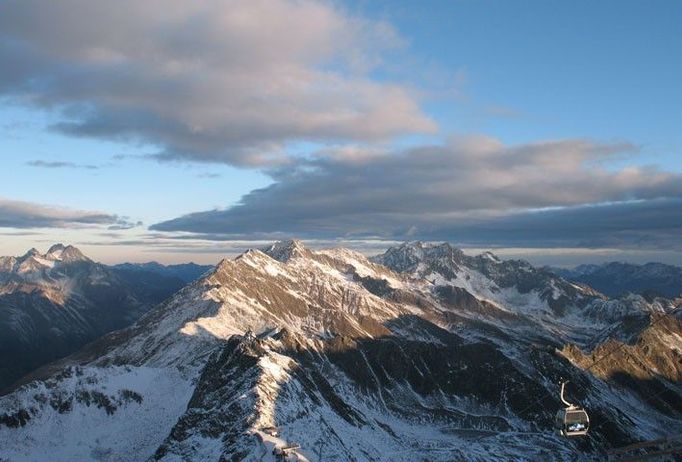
x,y
473,189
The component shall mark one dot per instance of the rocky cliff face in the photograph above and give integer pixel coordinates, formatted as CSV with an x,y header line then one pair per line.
x,y
420,353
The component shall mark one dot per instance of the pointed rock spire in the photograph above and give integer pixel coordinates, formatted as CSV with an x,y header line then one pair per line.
x,y
72,254
33,252
286,250
55,252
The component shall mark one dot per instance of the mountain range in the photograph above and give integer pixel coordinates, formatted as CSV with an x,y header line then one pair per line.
x,y
615,278
54,303
185,272
420,353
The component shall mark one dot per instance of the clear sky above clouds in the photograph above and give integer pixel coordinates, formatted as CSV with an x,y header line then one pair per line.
x,y
178,131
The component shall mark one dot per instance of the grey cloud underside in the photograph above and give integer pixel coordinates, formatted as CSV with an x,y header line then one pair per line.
x,y
26,215
651,224
474,191
654,225
209,176
122,224
206,81
20,233
60,164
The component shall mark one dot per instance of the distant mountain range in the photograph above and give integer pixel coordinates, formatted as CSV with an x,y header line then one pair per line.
x,y
156,282
54,303
421,353
614,279
186,272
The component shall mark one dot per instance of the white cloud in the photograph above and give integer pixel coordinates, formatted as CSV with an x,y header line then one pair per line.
x,y
20,214
227,81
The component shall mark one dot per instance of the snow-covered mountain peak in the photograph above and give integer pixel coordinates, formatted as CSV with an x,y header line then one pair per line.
x,y
568,310
404,258
286,250
34,267
411,256
55,252
32,252
332,356
53,303
72,254
318,294
422,259
252,257
488,255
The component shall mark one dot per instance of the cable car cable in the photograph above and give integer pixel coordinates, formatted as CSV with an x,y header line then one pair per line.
x,y
650,398
623,345
645,400
595,362
655,322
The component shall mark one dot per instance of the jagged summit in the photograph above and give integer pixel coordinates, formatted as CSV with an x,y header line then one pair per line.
x,y
56,249
51,304
419,256
282,251
344,357
409,256
32,252
490,256
56,253
286,250
72,254
68,253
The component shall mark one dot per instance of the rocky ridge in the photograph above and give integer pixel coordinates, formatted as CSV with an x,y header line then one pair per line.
x,y
421,352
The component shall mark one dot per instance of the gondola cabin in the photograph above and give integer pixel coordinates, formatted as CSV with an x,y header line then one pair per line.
x,y
572,421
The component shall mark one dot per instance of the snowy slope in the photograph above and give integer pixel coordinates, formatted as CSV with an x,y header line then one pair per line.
x,y
421,353
54,303
555,307
90,413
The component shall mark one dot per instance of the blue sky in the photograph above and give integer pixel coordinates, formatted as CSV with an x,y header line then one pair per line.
x,y
131,185
553,69
587,92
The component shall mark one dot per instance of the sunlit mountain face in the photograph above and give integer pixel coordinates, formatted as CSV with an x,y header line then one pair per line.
x,y
52,304
302,351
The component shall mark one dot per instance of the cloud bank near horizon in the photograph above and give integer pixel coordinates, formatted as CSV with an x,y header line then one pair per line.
x,y
475,190
240,82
